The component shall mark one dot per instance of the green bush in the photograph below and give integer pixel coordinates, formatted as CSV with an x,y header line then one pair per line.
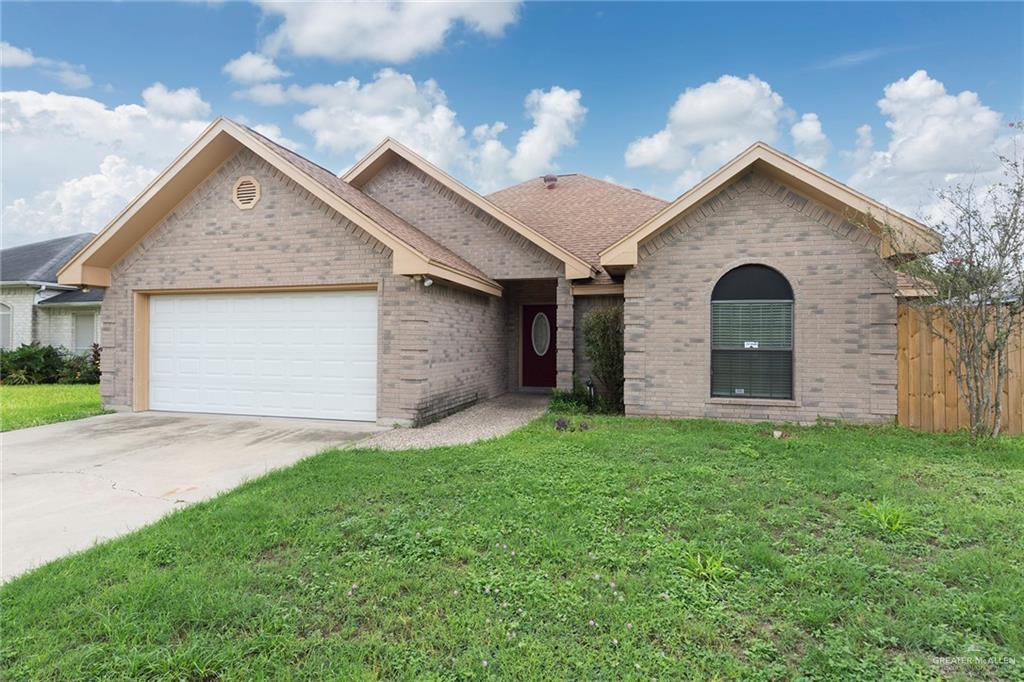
x,y
37,364
603,341
572,401
81,369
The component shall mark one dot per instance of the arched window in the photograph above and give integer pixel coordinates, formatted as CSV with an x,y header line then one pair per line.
x,y
752,334
6,327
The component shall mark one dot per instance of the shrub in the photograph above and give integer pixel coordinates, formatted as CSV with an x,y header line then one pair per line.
x,y
603,342
575,400
16,377
81,369
39,364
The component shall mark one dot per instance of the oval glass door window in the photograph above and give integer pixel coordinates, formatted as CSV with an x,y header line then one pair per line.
x,y
540,334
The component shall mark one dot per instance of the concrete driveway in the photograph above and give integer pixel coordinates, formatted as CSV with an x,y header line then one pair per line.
x,y
66,486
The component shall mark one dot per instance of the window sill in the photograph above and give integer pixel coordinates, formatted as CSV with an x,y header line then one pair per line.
x,y
759,402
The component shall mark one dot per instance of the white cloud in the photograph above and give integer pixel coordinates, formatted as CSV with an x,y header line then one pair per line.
x,y
253,68
274,133
935,138
183,103
556,114
267,94
710,124
349,117
64,142
809,140
77,205
72,75
13,57
382,31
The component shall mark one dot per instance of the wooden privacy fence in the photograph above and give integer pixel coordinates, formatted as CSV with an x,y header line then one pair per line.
x,y
927,396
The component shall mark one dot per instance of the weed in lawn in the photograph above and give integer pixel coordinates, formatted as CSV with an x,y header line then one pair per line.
x,y
885,516
709,567
746,449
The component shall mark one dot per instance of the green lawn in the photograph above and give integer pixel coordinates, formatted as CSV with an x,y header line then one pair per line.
x,y
24,406
634,549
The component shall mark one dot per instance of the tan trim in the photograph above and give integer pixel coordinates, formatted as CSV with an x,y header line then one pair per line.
x,y
91,266
384,153
140,323
597,290
444,272
140,352
801,177
362,286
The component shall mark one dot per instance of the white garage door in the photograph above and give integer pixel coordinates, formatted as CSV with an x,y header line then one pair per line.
x,y
303,354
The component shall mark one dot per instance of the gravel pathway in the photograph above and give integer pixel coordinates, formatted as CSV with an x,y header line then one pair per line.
x,y
488,419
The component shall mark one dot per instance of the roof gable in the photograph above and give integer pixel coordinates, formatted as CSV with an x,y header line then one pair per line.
x,y
789,171
389,150
414,253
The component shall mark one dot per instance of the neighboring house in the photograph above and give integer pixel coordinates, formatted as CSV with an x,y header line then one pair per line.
x,y
34,308
247,279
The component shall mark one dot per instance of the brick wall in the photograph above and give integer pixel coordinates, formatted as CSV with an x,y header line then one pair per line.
x,y
433,208
583,305
55,325
845,313
466,351
21,301
288,239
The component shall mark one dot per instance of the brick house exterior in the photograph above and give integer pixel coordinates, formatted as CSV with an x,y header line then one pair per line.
x,y
844,313
35,308
455,274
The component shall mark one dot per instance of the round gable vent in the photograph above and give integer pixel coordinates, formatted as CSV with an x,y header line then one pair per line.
x,y
246,192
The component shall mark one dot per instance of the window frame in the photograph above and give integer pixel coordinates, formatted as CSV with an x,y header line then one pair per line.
x,y
74,331
533,334
716,353
6,310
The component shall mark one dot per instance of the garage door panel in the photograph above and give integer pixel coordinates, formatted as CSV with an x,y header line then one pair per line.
x,y
308,354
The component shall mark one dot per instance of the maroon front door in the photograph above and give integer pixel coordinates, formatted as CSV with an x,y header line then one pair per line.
x,y
539,366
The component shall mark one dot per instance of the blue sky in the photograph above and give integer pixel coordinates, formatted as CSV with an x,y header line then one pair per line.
x,y
605,79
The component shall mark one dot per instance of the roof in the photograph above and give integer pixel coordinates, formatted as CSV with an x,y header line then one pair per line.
x,y
390,149
414,253
900,234
76,297
583,214
40,261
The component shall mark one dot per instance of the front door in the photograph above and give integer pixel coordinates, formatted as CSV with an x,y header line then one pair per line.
x,y
538,343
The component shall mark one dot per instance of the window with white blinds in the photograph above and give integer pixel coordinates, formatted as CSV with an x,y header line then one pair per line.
x,y
752,336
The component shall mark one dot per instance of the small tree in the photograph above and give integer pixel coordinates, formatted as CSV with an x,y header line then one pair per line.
x,y
603,342
974,287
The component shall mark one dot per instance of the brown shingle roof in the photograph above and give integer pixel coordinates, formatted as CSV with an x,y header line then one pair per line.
x,y
582,214
375,211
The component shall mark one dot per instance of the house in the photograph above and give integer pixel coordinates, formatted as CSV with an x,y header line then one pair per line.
x,y
35,308
247,279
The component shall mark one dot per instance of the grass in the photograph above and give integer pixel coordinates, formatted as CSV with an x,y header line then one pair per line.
x,y
24,406
632,549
